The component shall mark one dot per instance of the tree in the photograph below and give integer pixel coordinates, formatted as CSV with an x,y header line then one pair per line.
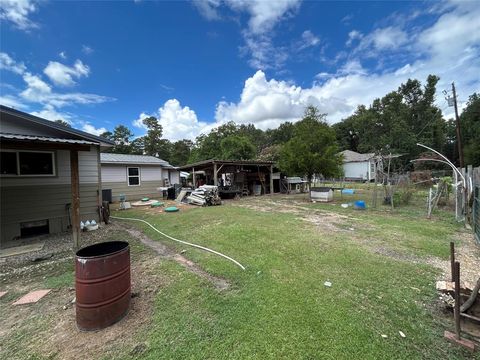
x,y
63,123
121,137
237,147
180,152
470,124
312,149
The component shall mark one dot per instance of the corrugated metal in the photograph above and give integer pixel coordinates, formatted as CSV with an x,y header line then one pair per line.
x,y
108,158
6,136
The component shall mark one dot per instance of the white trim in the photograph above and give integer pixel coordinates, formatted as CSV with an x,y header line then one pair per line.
x,y
129,176
18,175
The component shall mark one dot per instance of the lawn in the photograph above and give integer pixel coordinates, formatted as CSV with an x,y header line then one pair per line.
x,y
279,307
379,262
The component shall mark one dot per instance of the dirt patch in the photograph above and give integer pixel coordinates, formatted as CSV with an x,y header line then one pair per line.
x,y
50,324
162,250
146,282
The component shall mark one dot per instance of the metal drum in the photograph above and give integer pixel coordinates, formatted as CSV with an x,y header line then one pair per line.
x,y
102,284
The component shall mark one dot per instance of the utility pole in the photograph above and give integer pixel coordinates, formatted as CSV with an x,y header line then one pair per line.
x,y
457,120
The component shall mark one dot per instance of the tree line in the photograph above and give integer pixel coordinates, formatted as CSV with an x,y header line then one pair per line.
x,y
393,124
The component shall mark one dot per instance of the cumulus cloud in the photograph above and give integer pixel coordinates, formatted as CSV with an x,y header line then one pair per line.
x,y
89,128
64,75
17,12
37,91
50,113
178,122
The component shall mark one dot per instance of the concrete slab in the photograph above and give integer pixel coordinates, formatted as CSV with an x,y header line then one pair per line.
x,y
32,297
2,293
17,250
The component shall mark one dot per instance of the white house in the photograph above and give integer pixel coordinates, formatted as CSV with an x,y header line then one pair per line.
x,y
135,176
358,166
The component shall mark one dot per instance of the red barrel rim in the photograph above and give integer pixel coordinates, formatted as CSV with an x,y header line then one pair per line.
x,y
102,249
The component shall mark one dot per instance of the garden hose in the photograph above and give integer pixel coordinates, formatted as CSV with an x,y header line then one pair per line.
x,y
181,241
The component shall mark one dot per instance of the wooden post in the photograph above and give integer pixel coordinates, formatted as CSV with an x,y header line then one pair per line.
x,y
193,178
75,198
215,174
452,260
271,179
456,310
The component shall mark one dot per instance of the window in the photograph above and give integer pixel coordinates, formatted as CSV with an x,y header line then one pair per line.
x,y
133,176
27,163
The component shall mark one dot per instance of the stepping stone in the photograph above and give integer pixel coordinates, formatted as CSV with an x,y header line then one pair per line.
x,y
32,297
2,293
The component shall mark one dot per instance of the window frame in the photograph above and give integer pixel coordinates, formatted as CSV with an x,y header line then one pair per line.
x,y
17,158
133,176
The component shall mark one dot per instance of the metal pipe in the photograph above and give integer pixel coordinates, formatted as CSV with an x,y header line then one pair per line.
x,y
448,161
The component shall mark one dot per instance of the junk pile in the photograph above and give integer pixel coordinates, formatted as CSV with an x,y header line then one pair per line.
x,y
205,195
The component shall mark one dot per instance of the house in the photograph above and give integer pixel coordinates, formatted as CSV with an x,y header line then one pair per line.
x,y
360,167
49,177
135,176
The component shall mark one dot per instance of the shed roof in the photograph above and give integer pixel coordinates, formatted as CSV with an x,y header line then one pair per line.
x,y
210,162
51,124
109,158
48,139
352,156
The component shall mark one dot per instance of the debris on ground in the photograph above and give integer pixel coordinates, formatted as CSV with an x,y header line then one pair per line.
x,y
205,195
32,297
2,293
42,257
327,284
402,334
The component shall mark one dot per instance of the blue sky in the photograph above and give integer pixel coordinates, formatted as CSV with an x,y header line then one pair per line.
x,y
196,65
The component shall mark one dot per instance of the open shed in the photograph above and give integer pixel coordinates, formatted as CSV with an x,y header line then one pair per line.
x,y
234,177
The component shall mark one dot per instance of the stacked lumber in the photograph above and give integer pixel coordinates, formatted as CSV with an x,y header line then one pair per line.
x,y
205,195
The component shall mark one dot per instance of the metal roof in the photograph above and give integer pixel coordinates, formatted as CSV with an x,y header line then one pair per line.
x,y
109,158
6,136
352,156
56,126
206,163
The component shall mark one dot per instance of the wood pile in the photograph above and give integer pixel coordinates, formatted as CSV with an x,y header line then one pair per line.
x,y
205,195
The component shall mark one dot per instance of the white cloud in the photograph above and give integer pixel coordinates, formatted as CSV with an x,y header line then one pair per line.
x,y
63,55
308,40
50,113
7,63
64,75
139,122
178,122
12,102
388,38
18,12
208,8
89,128
87,50
258,36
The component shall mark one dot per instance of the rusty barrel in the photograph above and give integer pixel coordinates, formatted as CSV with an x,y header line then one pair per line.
x,y
102,284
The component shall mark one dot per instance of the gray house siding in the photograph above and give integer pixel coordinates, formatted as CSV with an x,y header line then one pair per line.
x,y
25,199
114,177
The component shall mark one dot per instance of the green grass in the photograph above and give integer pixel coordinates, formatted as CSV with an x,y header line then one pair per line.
x,y
279,307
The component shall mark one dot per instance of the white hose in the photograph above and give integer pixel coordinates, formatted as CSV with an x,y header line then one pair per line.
x,y
183,242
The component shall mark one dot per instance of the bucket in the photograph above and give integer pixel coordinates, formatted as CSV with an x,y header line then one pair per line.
x,y
102,284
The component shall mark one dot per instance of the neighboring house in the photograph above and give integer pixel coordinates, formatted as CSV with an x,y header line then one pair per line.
x,y
136,176
358,166
36,191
